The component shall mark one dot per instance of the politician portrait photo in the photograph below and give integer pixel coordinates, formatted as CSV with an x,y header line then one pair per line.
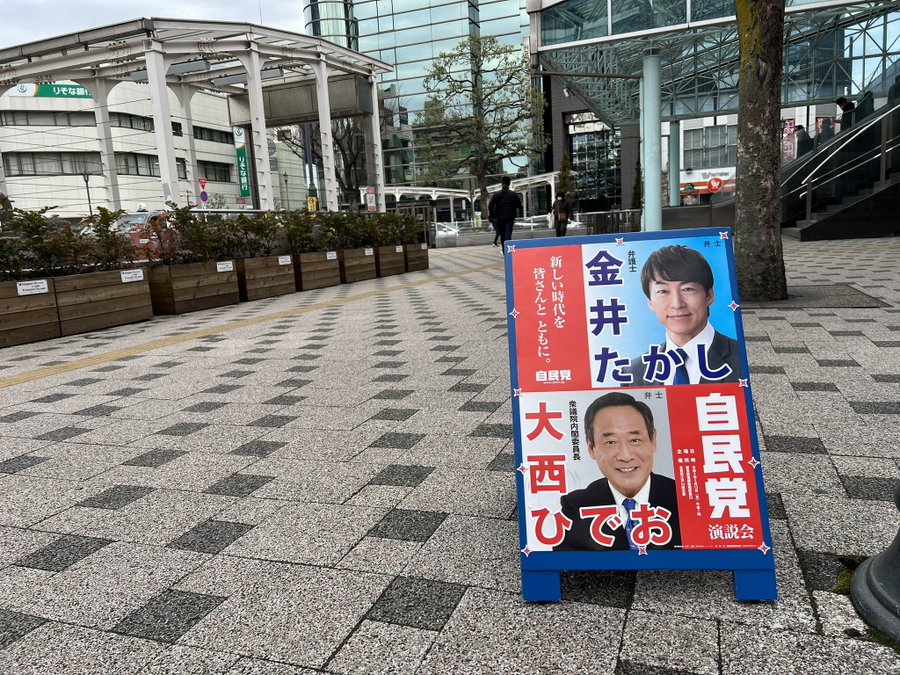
x,y
621,439
678,283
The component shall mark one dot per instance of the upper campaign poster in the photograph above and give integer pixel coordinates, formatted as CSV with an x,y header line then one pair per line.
x,y
634,429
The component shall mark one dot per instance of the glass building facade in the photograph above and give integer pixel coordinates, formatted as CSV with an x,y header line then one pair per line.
x,y
409,34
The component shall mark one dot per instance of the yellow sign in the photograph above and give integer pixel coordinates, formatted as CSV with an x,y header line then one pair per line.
x,y
312,204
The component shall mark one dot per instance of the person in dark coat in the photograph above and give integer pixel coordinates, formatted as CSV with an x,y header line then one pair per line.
x,y
804,142
848,112
503,209
621,439
560,213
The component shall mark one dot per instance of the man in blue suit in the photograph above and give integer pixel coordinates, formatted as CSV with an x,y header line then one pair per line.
x,y
621,439
678,283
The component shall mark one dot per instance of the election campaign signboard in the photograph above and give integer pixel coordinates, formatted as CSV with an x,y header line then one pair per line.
x,y
635,438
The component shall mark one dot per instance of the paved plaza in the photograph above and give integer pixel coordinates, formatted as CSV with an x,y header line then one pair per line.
x,y
324,482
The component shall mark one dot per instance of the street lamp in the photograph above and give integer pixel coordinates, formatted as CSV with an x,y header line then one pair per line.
x,y
287,196
87,186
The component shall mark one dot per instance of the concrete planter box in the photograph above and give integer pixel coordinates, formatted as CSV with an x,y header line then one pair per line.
x,y
416,257
316,270
267,277
176,289
27,312
357,264
390,260
100,300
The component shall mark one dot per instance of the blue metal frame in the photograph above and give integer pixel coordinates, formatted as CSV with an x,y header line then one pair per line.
x,y
753,571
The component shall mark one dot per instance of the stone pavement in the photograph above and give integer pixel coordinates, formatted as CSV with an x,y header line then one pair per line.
x,y
324,483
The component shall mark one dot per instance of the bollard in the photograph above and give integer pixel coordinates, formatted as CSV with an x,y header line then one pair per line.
x,y
875,589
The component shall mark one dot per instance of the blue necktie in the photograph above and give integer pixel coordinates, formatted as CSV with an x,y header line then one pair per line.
x,y
681,374
629,505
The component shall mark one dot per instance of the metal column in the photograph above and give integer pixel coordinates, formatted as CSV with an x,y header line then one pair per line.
x,y
100,89
185,95
162,121
323,103
652,135
258,141
675,163
376,176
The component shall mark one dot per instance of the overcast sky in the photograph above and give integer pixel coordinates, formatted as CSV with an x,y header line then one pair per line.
x,y
30,20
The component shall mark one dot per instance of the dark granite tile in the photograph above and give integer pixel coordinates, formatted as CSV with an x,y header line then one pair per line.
x,y
63,553
794,444
154,459
307,356
397,440
62,434
273,421
293,383
168,616
205,406
83,382
14,626
821,570
149,377
401,474
864,487
285,399
222,389
396,414
248,361
445,348
107,369
127,391
211,536
116,497
493,431
766,370
806,324
814,386
16,464
628,667
182,429
236,374
393,394
389,365
460,372
258,448
441,338
238,485
311,346
480,406
889,378
200,348
786,349
613,589
168,364
775,506
99,410
885,344
419,603
756,338
846,333
391,377
450,359
301,369
468,387
408,525
18,416
388,352
837,363
504,461
52,398
876,407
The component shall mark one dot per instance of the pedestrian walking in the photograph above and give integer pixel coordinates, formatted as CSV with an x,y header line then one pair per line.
x,y
560,213
503,209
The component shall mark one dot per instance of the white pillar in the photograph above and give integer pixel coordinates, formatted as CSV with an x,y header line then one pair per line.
x,y
525,203
100,90
320,68
675,163
185,94
162,121
652,150
452,216
552,192
377,162
258,141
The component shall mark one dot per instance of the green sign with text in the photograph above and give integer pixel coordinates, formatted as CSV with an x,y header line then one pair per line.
x,y
240,149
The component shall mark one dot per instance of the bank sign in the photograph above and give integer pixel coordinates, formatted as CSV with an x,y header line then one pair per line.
x,y
50,91
243,168
634,433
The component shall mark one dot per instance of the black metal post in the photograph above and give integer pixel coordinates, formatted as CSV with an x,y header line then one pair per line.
x,y
287,196
87,186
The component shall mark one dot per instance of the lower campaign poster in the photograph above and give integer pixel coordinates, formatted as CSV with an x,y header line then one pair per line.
x,y
635,439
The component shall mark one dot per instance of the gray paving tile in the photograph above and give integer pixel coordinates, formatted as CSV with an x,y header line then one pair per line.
x,y
52,398
273,421
837,363
480,406
867,487
148,377
876,407
285,399
63,553
766,370
205,406
258,448
613,589
62,434
398,474
382,648
775,506
154,458
504,461
794,444
182,429
116,497
293,383
393,394
83,382
887,377
168,616
18,416
814,386
493,431
238,485
406,525
222,389
16,464
418,603
653,643
211,536
237,374
396,414
14,625
397,440
127,391
98,410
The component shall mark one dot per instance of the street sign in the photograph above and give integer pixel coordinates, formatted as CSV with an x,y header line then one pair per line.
x,y
371,205
715,184
202,182
312,204
204,196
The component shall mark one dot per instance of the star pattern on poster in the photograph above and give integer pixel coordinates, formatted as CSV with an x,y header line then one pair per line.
x,y
526,551
743,383
763,548
515,313
753,463
723,235
733,306
620,241
522,468
510,248
642,550
517,392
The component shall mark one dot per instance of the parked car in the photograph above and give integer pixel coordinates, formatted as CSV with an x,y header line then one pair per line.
x,y
137,226
533,222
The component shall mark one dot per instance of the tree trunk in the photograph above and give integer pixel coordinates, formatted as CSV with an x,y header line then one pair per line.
x,y
757,227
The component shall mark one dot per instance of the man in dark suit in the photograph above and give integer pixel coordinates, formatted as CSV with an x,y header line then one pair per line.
x,y
678,283
621,439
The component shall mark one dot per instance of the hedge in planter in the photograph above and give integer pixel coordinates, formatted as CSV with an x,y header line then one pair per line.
x,y
314,265
350,234
392,231
255,242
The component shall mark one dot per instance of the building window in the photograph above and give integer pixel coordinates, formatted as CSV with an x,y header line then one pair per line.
x,y
31,118
51,163
216,172
214,135
134,164
710,147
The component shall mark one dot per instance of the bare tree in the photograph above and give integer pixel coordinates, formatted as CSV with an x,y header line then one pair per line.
x,y
757,241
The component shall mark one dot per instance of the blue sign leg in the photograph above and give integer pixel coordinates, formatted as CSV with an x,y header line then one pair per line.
x,y
541,586
755,585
